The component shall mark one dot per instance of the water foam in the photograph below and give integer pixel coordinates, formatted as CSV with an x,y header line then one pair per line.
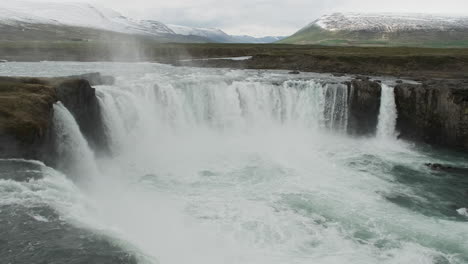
x,y
387,114
219,166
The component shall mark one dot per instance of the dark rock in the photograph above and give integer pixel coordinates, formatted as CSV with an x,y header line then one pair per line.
x,y
420,79
399,81
378,81
80,99
26,114
435,112
447,168
294,72
364,105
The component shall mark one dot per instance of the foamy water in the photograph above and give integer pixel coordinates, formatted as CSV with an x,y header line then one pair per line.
x,y
230,166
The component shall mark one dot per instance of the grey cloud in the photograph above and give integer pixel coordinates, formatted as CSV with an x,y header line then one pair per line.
x,y
265,17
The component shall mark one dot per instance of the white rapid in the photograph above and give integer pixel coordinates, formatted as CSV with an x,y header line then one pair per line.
x,y
211,169
224,166
387,114
75,156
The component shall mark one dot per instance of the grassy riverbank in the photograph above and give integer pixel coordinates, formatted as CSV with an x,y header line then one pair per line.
x,y
396,61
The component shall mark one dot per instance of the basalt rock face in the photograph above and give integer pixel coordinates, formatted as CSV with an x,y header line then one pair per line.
x,y
26,115
435,112
80,99
364,105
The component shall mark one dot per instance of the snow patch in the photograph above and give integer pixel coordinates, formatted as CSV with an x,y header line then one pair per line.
x,y
389,22
76,14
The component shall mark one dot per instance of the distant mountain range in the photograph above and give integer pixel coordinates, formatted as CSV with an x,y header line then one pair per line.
x,y
218,35
27,20
23,20
386,29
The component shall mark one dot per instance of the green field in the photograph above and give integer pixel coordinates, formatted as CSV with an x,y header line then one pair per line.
x,y
428,39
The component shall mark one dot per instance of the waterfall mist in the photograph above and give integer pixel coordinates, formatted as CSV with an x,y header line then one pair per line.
x,y
229,166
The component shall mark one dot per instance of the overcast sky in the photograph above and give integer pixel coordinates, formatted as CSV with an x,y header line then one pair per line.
x,y
264,17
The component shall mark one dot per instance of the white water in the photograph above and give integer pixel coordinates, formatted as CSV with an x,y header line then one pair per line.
x,y
387,114
76,157
239,167
245,171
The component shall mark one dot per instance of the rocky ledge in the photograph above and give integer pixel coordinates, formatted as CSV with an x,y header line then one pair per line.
x,y
363,105
26,111
434,112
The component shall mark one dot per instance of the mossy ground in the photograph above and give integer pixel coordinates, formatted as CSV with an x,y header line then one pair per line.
x,y
25,107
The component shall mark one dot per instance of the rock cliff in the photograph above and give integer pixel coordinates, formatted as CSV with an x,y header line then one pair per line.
x,y
364,105
26,111
435,112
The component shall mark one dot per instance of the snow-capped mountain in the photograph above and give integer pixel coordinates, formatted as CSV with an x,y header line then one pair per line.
x,y
211,33
21,13
250,39
389,22
76,14
384,29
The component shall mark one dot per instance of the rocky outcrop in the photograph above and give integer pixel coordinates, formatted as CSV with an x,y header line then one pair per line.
x,y
80,99
364,104
26,114
435,112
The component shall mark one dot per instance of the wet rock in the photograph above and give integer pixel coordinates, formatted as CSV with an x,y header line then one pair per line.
x,y
294,72
364,105
80,99
399,81
435,112
26,114
447,168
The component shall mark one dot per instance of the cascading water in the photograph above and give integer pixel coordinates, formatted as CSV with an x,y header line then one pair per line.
x,y
74,155
220,166
387,114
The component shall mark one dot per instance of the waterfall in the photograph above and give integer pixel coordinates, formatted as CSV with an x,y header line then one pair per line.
x,y
336,111
388,113
112,113
74,154
225,106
